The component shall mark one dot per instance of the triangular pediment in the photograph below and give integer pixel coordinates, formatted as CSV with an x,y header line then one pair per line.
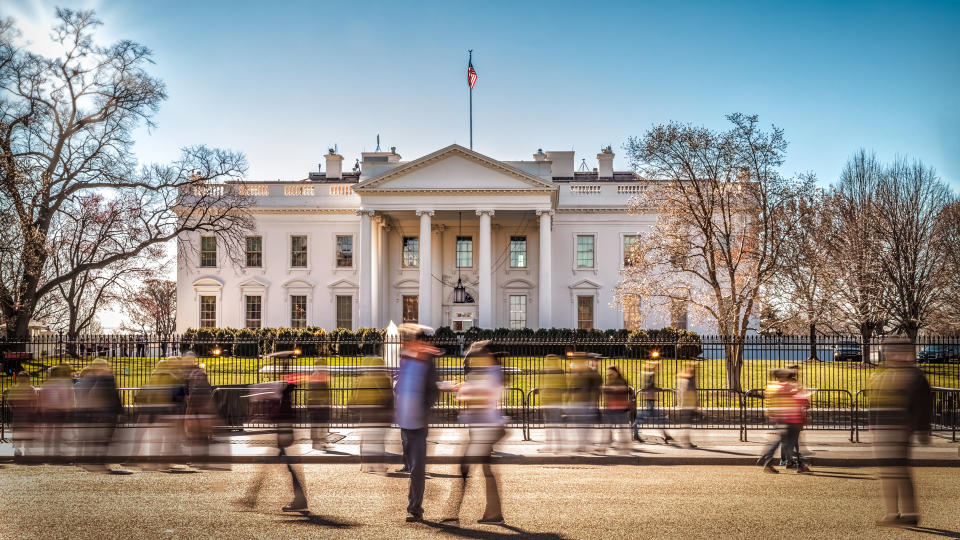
x,y
585,284
454,168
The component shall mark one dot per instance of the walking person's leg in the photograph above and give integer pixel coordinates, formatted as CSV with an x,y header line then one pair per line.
x,y
417,446
493,513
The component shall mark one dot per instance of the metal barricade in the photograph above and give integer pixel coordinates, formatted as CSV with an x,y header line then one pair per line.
x,y
946,402
827,409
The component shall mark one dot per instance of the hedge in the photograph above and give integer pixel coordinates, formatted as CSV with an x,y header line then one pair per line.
x,y
315,341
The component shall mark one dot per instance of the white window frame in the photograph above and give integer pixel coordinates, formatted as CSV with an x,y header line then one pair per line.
x,y
417,238
623,248
510,310
593,309
473,251
353,251
526,251
216,252
336,311
306,310
246,252
216,310
245,318
208,286
576,266
289,251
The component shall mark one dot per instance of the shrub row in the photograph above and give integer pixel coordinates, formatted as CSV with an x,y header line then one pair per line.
x,y
314,341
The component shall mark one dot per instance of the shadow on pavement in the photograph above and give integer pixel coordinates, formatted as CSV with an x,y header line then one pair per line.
x,y
718,451
515,532
844,475
313,519
936,532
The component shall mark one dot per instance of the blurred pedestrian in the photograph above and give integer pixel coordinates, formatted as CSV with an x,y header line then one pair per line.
x,y
900,406
318,405
647,391
616,407
273,401
57,403
416,392
160,409
480,394
201,413
785,406
371,402
98,410
688,401
553,388
583,394
24,408
793,380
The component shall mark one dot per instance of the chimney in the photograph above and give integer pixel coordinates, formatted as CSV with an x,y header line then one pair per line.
x,y
605,162
539,156
334,165
561,164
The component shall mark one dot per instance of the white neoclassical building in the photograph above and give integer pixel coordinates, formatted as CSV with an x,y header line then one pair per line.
x,y
534,244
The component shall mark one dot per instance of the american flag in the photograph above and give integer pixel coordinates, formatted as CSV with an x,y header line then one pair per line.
x,y
471,75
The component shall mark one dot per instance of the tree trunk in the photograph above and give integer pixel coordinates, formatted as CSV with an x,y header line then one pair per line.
x,y
866,335
813,343
734,364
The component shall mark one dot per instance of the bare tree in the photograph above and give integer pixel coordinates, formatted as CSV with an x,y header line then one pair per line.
x,y
153,308
721,221
802,291
947,319
854,249
912,201
66,129
82,226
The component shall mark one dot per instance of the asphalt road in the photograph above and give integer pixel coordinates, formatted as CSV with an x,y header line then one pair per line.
x,y
538,501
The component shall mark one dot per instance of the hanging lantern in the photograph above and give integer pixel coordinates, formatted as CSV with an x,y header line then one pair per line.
x,y
459,293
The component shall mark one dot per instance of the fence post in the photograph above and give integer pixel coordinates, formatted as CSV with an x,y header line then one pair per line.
x,y
743,417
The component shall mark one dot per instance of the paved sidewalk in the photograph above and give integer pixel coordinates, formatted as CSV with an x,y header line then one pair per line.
x,y
714,447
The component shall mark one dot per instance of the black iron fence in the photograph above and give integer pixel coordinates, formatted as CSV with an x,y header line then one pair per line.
x,y
839,367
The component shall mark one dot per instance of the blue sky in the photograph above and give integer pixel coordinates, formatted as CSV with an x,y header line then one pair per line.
x,y
282,81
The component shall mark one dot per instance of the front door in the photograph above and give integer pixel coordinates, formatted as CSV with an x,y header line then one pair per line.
x,y
411,307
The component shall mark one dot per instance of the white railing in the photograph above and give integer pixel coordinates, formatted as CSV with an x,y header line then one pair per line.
x,y
585,190
341,190
254,191
296,191
628,189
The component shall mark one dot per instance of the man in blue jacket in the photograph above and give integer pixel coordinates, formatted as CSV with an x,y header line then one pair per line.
x,y
416,392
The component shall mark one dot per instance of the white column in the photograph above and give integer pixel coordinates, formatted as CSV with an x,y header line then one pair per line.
x,y
366,267
545,264
384,300
425,299
375,271
436,314
484,269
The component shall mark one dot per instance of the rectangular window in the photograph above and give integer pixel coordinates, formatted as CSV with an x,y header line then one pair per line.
x,y
298,251
518,252
345,312
208,312
298,311
464,252
585,312
629,250
208,251
585,250
678,314
518,311
411,307
255,251
344,251
254,311
631,312
411,252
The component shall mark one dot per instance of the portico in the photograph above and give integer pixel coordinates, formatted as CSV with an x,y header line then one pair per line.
x,y
475,220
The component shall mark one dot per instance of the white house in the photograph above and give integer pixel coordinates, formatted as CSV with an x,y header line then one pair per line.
x,y
534,244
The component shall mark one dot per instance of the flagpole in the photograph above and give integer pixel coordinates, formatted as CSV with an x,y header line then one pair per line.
x,y
471,104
